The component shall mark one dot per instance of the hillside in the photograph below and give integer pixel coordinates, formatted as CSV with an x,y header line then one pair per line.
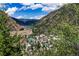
x,y
7,42
69,13
61,28
9,22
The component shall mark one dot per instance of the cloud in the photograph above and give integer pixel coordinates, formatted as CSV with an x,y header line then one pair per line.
x,y
23,8
44,6
35,6
31,17
19,17
11,11
51,6
37,17
48,9
27,3
31,6
2,5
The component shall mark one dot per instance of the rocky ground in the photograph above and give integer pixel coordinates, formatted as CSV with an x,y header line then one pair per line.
x,y
39,43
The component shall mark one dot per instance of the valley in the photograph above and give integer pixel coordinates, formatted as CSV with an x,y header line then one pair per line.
x,y
56,34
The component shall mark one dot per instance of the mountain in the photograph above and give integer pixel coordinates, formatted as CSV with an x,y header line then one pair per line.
x,y
69,14
26,22
62,28
9,45
9,22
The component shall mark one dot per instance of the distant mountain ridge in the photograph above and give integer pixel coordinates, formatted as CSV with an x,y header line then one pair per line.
x,y
25,22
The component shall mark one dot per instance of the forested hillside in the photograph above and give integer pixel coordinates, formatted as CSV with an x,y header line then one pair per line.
x,y
69,14
62,28
8,45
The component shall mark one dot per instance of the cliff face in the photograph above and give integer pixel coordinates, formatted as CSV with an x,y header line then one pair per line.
x,y
69,14
9,22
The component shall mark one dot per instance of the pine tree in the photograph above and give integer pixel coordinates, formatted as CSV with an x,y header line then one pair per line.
x,y
8,45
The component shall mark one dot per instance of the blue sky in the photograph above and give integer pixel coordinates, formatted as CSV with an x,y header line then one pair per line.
x,y
29,10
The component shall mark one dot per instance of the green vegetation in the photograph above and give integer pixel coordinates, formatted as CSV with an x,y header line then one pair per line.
x,y
67,43
63,23
8,45
57,34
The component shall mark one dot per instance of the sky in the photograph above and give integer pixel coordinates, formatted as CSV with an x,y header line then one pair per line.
x,y
29,10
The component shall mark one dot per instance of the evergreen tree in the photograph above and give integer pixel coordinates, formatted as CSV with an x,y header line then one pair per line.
x,y
8,45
